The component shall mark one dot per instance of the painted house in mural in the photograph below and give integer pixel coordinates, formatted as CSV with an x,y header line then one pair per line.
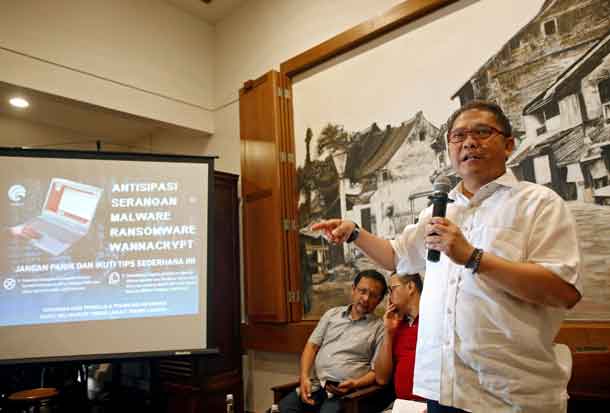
x,y
567,144
318,187
383,167
368,176
560,33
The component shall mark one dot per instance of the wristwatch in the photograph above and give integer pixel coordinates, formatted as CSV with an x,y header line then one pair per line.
x,y
354,235
475,260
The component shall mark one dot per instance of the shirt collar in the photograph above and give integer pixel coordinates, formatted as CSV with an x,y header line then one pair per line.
x,y
347,313
505,180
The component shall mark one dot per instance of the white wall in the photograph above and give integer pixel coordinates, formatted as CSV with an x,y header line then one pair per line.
x,y
251,41
225,143
15,132
263,33
144,57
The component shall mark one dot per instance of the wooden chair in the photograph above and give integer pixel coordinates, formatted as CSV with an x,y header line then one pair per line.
x,y
368,399
590,378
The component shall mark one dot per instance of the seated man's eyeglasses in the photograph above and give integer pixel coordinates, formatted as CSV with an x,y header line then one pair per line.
x,y
366,291
479,132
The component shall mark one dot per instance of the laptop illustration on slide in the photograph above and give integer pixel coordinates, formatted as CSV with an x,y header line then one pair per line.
x,y
66,216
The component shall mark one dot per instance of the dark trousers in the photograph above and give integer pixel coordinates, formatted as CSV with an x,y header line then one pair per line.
x,y
435,407
292,403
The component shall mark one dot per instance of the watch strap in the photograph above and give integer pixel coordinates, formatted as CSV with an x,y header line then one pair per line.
x,y
475,260
354,235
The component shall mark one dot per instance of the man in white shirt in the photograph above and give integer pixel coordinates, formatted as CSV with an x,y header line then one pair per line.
x,y
509,270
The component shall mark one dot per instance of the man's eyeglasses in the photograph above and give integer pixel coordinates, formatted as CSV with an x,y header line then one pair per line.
x,y
479,132
366,291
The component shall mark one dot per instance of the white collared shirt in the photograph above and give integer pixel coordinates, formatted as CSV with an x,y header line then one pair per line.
x,y
479,348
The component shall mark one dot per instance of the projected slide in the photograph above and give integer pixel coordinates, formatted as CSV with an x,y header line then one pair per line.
x,y
85,240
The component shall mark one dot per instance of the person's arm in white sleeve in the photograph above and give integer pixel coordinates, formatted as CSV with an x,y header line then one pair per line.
x,y
550,272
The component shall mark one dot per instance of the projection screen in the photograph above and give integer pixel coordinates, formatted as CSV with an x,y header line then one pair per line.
x,y
103,255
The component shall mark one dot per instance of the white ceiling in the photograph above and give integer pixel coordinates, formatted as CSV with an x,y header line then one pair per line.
x,y
211,12
85,120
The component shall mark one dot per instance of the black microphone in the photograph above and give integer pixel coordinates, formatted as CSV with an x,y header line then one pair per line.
x,y
439,198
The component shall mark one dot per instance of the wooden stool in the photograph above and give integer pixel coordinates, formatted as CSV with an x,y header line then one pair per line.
x,y
33,401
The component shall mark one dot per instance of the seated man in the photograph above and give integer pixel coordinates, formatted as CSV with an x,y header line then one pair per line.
x,y
400,322
343,345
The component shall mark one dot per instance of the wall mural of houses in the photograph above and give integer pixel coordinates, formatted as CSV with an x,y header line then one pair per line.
x,y
552,77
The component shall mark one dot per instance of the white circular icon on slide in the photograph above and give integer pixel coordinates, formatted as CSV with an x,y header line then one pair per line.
x,y
114,278
9,283
16,193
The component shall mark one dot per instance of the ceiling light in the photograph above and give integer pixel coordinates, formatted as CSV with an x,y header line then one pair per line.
x,y
19,102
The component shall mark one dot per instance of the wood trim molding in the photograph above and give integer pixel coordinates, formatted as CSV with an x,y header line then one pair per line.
x,y
584,336
277,338
368,30
581,337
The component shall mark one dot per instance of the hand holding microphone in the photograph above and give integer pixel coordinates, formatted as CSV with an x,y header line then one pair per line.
x,y
442,234
439,198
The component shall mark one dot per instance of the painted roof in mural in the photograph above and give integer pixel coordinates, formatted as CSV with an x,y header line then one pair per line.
x,y
547,9
567,147
565,83
373,147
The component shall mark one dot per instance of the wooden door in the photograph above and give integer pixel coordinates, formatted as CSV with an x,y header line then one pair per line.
x,y
270,241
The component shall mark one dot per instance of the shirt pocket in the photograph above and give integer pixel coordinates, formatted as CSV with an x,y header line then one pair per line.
x,y
508,243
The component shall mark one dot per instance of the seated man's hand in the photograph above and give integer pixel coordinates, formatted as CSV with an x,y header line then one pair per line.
x,y
305,389
344,387
391,319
